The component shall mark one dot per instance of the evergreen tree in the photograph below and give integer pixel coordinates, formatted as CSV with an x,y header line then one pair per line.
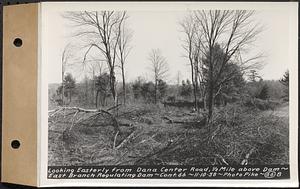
x,y
264,93
69,84
285,81
148,91
162,88
186,88
253,76
102,87
137,87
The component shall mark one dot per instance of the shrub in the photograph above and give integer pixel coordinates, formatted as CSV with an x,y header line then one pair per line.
x,y
243,131
261,104
264,93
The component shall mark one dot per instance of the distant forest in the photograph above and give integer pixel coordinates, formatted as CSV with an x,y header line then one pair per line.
x,y
94,93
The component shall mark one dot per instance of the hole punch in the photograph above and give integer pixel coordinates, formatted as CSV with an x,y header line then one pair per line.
x,y
15,144
18,42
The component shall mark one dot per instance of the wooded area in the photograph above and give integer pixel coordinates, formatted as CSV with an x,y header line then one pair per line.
x,y
226,113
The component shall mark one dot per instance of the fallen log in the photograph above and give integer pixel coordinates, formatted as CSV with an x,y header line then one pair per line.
x,y
115,139
222,159
125,140
96,112
170,121
126,124
114,107
215,132
77,109
171,143
94,125
142,159
245,161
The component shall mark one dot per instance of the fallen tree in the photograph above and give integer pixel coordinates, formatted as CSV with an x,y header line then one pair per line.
x,y
95,113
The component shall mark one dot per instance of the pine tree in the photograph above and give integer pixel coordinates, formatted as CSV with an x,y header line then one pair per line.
x,y
253,76
68,86
102,87
285,81
264,93
162,88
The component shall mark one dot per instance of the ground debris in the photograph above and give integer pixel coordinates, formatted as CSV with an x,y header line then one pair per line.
x,y
174,137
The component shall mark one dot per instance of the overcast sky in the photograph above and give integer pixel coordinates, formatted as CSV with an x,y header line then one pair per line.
x,y
160,29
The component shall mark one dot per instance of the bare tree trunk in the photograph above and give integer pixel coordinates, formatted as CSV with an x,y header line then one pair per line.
x,y
196,87
63,88
86,92
124,85
112,85
193,83
104,103
64,60
210,102
159,68
195,95
97,95
94,88
210,88
155,91
70,93
123,49
204,102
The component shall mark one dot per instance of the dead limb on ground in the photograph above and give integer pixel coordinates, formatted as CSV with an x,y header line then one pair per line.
x,y
170,144
223,161
125,140
245,161
170,121
94,112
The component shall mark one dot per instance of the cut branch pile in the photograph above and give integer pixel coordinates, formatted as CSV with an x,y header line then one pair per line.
x,y
95,113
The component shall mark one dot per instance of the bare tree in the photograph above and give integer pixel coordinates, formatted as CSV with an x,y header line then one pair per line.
x,y
233,31
102,31
123,51
178,78
66,55
199,66
189,28
96,68
159,68
254,76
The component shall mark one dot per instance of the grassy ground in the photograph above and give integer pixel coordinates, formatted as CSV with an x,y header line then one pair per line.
x,y
238,135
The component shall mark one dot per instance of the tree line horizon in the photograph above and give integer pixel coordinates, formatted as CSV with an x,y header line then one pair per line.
x,y
215,45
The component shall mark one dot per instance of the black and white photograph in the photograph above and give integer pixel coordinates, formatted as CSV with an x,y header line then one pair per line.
x,y
188,87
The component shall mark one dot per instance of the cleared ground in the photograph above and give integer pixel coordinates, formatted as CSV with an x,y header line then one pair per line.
x,y
171,136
